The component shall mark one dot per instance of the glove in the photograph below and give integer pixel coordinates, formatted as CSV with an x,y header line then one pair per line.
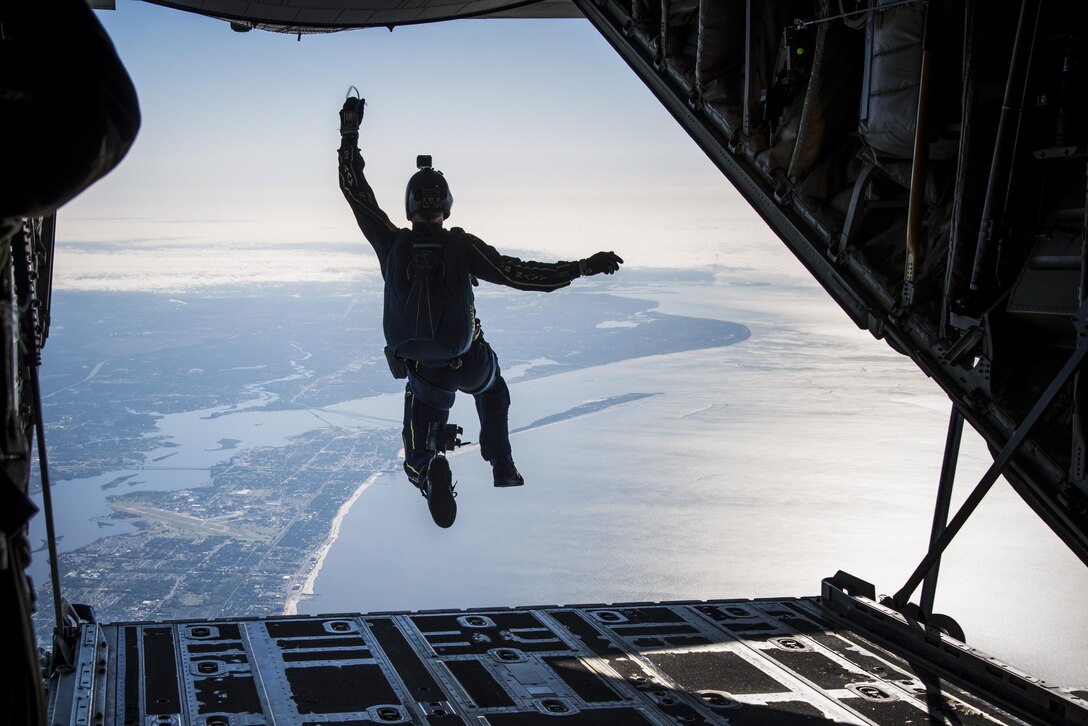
x,y
351,115
606,262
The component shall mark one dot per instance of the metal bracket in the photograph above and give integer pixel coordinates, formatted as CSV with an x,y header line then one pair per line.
x,y
942,505
1019,437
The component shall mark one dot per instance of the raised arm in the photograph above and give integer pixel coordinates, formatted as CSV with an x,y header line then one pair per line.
x,y
373,221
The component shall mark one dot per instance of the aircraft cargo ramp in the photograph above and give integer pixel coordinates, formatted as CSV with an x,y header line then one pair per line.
x,y
770,661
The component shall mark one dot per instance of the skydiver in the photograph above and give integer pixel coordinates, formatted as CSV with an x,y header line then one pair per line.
x,y
429,272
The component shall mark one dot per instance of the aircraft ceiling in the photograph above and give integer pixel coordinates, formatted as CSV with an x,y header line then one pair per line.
x,y
323,16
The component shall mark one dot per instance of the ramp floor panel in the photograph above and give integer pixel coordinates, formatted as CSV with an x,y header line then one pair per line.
x,y
781,661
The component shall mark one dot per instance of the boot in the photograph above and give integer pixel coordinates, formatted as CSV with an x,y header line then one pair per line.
x,y
438,488
506,474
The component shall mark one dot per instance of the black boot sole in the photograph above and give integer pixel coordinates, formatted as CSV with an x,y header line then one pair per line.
x,y
440,500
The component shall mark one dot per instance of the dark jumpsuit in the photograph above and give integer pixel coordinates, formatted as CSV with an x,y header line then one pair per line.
x,y
430,391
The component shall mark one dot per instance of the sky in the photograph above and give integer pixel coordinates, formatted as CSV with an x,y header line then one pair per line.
x,y
551,144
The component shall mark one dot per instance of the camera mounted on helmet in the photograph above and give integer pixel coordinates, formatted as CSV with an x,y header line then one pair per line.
x,y
428,193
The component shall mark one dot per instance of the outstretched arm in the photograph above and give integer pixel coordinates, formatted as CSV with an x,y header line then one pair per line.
x,y
488,264
372,220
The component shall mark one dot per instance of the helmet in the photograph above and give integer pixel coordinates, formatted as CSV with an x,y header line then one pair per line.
x,y
428,193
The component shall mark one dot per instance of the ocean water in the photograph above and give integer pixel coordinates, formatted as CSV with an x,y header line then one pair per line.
x,y
754,469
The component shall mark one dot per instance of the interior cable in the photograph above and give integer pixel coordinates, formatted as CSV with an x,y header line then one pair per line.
x,y
800,24
29,337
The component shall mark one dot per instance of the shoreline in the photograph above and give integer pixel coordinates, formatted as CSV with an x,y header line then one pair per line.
x,y
291,606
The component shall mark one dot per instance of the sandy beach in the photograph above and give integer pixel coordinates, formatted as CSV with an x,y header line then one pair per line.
x,y
307,589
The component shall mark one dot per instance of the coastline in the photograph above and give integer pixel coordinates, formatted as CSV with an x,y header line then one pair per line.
x,y
307,589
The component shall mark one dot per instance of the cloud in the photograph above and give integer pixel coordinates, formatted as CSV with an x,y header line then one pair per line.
x,y
194,267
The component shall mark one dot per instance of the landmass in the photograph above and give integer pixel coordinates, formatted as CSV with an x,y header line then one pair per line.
x,y
227,444
118,481
298,592
251,540
242,545
583,409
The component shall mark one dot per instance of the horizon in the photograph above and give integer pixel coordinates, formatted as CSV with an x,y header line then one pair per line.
x,y
554,155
